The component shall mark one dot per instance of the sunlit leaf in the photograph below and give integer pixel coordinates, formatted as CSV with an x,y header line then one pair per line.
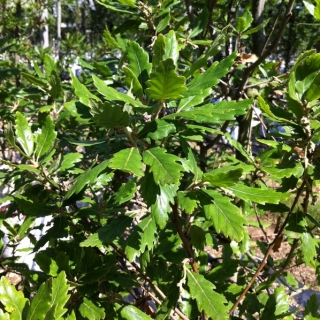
x,y
90,311
24,134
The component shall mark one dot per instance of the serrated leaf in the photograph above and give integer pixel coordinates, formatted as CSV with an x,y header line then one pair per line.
x,y
12,299
197,237
171,47
90,311
222,111
165,83
24,134
69,160
59,296
138,62
46,138
159,49
107,116
211,77
193,100
31,207
223,177
125,192
285,169
128,160
225,216
257,195
88,176
312,306
133,82
277,304
108,233
163,166
132,313
4,316
187,201
309,248
211,302
141,238
81,91
157,130
244,22
161,207
112,94
41,302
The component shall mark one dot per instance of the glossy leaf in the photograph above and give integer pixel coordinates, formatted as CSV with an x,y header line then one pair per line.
x,y
223,177
87,177
108,116
165,83
128,160
125,192
211,302
313,93
171,47
108,233
90,311
157,130
188,201
132,313
159,49
164,22
46,138
24,134
244,22
138,62
69,160
13,300
225,216
193,100
133,82
258,195
163,165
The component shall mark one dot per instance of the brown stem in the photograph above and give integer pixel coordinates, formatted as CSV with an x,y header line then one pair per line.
x,y
185,240
290,255
189,10
264,260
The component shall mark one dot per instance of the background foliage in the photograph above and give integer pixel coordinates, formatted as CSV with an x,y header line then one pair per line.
x,y
133,165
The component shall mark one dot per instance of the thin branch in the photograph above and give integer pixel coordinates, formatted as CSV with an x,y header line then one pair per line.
x,y
259,222
189,10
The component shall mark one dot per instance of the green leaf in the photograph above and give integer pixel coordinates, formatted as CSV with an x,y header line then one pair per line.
x,y
90,311
161,207
187,201
138,62
69,161
132,313
257,28
257,195
222,111
109,39
49,65
108,233
59,297
13,300
312,306
88,176
244,22
36,81
200,23
225,216
81,91
193,100
55,85
114,95
211,77
172,50
157,130
107,116
141,238
164,166
128,160
133,82
164,22
285,169
32,207
24,134
125,192
165,84
198,237
223,177
46,138
159,49
47,264
313,93
309,248
211,302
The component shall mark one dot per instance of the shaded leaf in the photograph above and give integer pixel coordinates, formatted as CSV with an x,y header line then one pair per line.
x,y
257,195
108,233
277,304
36,81
164,22
198,237
157,129
312,306
164,166
309,248
132,313
69,160
125,192
90,311
47,264
211,302
128,160
133,82
24,134
223,177
244,22
164,83
31,207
